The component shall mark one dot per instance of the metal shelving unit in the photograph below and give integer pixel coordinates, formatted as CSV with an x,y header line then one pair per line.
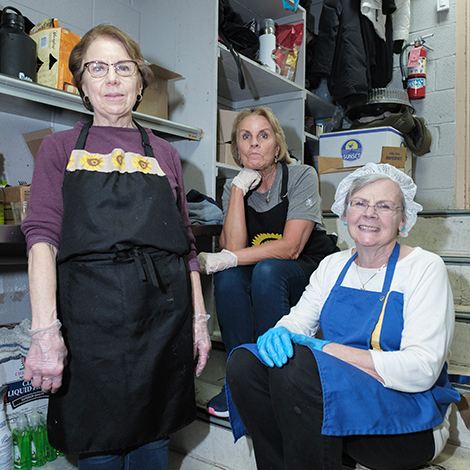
x,y
41,102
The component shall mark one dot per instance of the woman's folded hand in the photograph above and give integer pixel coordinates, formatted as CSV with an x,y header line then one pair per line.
x,y
246,180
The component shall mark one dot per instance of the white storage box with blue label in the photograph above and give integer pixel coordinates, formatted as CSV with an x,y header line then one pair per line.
x,y
360,146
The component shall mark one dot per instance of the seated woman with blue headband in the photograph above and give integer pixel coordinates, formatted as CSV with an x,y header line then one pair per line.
x,y
375,386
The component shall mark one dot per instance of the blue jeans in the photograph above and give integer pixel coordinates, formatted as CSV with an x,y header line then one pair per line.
x,y
153,456
251,299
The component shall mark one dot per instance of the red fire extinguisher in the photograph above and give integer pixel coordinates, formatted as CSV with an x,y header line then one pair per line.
x,y
415,82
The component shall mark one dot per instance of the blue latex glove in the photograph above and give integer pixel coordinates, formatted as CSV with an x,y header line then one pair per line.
x,y
314,343
275,346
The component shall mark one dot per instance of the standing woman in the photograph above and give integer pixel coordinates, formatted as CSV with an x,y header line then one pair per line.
x,y
108,212
273,236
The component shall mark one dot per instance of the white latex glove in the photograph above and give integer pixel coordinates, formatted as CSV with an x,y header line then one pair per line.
x,y
247,179
210,263
201,341
46,358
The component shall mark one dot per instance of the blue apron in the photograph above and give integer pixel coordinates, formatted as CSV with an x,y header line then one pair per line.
x,y
354,402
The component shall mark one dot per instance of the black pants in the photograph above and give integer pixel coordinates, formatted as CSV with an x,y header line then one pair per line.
x,y
282,409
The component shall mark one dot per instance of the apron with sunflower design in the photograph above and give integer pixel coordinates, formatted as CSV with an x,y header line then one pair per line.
x,y
125,304
269,225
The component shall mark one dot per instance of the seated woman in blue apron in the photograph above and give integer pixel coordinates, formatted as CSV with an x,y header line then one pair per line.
x,y
108,201
273,236
375,386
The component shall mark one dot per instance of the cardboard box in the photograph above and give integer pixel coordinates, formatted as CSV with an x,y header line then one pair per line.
x,y
155,100
224,154
54,47
331,171
16,193
224,125
13,193
360,146
34,139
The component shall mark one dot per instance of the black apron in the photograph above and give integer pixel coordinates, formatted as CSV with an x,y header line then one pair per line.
x,y
124,299
269,225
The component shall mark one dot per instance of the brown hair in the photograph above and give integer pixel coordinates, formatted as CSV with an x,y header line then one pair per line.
x,y
131,46
283,156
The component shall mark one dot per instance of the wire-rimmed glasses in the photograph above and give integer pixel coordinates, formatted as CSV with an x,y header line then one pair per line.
x,y
124,68
385,209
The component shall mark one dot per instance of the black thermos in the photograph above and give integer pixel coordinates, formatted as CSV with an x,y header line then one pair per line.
x,y
18,52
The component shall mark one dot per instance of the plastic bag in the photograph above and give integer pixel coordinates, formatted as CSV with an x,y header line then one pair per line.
x,y
288,39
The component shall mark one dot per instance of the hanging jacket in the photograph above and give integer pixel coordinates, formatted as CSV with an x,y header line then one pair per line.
x,y
372,9
340,54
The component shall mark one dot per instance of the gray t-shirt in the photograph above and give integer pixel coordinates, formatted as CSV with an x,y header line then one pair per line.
x,y
302,192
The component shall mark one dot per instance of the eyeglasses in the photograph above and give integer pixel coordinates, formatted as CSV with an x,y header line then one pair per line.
x,y
385,209
124,68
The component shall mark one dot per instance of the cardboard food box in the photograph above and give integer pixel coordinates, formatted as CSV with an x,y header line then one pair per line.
x,y
155,100
360,146
331,171
17,193
54,47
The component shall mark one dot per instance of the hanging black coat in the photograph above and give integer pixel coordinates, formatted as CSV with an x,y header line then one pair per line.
x,y
349,53
340,54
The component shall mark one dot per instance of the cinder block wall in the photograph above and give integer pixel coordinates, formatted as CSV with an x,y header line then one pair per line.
x,y
434,172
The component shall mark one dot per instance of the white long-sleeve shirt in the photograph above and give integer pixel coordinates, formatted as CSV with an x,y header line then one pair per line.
x,y
428,315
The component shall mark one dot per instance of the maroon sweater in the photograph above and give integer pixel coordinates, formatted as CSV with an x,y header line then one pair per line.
x,y
45,207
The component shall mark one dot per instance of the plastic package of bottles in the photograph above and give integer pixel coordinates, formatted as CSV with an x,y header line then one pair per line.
x,y
31,446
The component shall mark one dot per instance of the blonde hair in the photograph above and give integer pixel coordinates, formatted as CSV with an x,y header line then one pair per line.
x,y
130,45
283,156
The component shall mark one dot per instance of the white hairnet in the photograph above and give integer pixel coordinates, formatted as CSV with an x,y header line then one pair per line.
x,y
407,186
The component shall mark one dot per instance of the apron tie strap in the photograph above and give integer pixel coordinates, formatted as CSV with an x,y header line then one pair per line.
x,y
125,251
154,274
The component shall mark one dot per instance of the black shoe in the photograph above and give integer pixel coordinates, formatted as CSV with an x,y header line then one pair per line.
x,y
217,406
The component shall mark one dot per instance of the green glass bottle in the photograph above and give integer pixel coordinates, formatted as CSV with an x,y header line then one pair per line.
x,y
22,444
38,440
